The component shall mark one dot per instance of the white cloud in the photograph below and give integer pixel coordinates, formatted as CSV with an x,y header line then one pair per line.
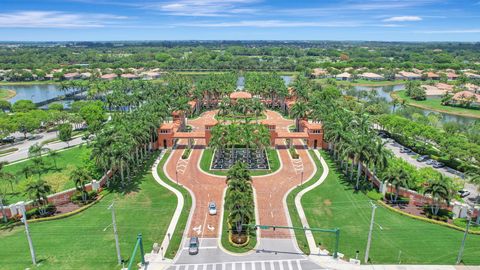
x,y
403,19
204,8
284,24
56,19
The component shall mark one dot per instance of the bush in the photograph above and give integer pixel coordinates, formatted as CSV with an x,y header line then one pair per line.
x,y
186,153
293,153
35,212
400,199
77,197
374,195
442,215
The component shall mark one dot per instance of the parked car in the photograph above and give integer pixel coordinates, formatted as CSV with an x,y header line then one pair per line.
x,y
438,165
405,150
212,208
193,246
430,162
8,139
464,193
423,158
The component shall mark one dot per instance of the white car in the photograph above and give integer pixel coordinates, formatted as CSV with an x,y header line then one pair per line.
x,y
212,208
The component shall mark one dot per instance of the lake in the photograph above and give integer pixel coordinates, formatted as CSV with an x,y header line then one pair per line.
x,y
241,81
385,91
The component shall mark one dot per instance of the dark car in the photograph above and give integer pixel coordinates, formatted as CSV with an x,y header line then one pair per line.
x,y
8,139
463,193
193,246
405,150
423,158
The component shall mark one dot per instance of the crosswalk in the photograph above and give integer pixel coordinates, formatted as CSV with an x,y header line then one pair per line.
x,y
299,264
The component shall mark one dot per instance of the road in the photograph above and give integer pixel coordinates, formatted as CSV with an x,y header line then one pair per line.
x,y
410,158
23,147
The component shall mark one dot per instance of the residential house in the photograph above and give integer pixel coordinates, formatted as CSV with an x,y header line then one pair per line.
x,y
433,91
466,97
452,76
472,87
85,75
345,76
150,75
445,86
371,76
71,76
471,75
319,73
129,76
406,75
432,76
109,76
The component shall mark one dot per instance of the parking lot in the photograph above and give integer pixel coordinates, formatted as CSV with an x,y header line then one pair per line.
x,y
411,157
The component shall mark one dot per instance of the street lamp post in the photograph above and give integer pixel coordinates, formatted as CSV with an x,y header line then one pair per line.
x,y
301,178
372,221
462,247
21,209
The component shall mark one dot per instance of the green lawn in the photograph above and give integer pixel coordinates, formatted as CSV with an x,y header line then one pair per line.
x,y
176,238
296,222
335,204
80,242
57,177
7,94
435,104
272,155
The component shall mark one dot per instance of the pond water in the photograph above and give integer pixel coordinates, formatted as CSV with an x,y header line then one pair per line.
x,y
241,81
34,92
385,91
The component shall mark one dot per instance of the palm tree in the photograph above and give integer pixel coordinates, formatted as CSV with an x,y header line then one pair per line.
x,y
258,108
37,150
81,176
440,191
38,192
4,176
398,177
54,155
298,111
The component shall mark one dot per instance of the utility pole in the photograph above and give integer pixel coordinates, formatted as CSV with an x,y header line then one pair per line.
x,y
21,208
115,233
462,247
372,221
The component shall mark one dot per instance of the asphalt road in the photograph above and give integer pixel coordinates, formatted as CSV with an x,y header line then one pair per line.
x,y
410,158
23,147
269,255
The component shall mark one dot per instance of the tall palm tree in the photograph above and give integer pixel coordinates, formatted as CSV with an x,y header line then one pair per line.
x,y
299,111
38,192
54,155
4,176
440,192
258,108
81,176
37,150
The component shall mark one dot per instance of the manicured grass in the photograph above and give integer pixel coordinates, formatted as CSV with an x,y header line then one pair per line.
x,y
225,235
335,204
57,177
7,151
82,242
435,104
296,222
462,222
207,156
176,238
7,94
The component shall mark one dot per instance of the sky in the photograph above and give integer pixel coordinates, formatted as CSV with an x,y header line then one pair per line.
x,y
105,20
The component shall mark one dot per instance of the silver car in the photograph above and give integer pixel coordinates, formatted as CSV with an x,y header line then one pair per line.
x,y
212,208
193,246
